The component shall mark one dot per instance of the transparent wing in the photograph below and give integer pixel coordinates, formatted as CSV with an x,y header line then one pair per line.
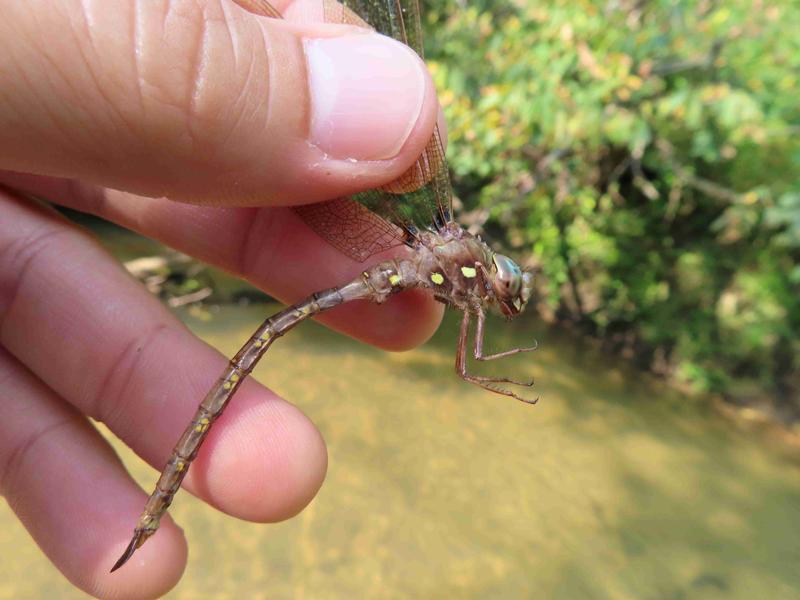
x,y
351,228
399,19
419,198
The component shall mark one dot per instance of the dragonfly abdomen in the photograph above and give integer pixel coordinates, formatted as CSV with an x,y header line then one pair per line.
x,y
375,284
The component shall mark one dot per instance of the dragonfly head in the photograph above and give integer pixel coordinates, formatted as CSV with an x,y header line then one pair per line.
x,y
512,286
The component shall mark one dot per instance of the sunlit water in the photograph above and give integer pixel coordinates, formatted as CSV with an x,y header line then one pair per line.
x,y
611,487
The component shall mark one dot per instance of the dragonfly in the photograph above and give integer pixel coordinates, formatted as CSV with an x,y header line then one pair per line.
x,y
414,211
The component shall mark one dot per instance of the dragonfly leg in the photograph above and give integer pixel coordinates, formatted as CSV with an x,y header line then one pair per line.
x,y
478,353
479,343
486,383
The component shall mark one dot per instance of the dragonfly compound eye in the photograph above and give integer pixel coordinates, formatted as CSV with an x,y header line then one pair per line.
x,y
508,278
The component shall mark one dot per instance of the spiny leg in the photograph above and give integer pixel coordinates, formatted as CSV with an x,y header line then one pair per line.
x,y
478,353
498,390
481,381
490,379
479,332
479,343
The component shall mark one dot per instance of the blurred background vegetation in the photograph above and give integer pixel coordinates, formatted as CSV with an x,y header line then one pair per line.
x,y
645,155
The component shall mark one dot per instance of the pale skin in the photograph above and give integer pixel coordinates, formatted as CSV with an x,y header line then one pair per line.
x,y
133,96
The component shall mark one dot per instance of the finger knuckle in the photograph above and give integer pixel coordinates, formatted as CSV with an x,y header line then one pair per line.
x,y
204,79
23,450
20,258
114,397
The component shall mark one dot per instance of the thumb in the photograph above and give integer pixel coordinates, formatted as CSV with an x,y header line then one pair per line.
x,y
202,101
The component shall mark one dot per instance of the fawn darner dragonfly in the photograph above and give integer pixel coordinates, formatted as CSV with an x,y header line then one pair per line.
x,y
415,211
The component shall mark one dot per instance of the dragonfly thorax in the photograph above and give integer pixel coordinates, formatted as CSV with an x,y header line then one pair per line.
x,y
465,272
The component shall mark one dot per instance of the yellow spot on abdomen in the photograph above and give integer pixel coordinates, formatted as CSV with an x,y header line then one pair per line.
x,y
437,278
469,272
202,425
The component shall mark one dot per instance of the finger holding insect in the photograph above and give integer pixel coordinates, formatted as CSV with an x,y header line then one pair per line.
x,y
203,101
272,248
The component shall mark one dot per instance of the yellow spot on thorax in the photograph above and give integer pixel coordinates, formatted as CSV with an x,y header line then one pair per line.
x,y
394,279
469,272
437,278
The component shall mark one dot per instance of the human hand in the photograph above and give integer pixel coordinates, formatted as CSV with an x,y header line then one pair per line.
x,y
107,108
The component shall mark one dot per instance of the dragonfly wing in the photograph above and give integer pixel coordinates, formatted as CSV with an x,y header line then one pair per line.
x,y
420,197
399,19
350,227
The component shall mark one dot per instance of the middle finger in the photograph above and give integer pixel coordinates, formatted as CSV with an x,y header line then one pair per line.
x,y
270,247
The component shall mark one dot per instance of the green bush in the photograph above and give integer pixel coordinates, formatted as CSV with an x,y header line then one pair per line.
x,y
646,156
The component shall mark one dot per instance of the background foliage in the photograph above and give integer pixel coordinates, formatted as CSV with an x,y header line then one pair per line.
x,y
646,156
